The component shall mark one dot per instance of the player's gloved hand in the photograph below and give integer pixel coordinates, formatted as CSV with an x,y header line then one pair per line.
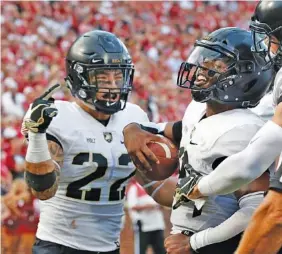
x,y
42,111
185,186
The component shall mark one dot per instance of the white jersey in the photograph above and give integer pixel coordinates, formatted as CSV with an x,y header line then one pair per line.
x,y
204,144
265,107
87,209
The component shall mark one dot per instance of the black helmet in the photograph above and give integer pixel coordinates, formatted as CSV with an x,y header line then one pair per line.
x,y
96,53
225,60
267,22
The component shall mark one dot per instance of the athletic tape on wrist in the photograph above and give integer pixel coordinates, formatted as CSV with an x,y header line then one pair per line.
x,y
37,150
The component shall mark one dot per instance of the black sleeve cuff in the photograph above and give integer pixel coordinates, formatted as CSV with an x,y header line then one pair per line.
x,y
177,131
149,129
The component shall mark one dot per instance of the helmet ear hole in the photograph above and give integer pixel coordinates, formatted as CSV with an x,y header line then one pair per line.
x,y
82,94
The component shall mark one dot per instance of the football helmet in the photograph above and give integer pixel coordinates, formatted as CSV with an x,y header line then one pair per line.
x,y
90,59
222,68
266,23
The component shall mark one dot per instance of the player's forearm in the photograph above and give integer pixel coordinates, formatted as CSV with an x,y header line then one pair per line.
x,y
164,191
41,172
171,130
230,227
42,178
262,232
242,168
161,191
264,228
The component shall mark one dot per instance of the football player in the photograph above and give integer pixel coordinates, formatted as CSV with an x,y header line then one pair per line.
x,y
76,161
265,227
266,27
266,224
223,72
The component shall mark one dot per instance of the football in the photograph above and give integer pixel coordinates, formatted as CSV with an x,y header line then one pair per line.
x,y
167,153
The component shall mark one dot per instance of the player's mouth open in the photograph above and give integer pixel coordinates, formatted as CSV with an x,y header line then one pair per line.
x,y
201,80
110,96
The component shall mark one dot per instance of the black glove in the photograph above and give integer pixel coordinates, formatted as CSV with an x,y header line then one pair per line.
x,y
185,186
42,111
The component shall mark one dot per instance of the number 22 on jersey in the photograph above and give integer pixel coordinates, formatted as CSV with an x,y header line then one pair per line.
x,y
74,188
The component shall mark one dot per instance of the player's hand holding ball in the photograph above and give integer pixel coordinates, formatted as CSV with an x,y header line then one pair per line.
x,y
167,154
136,142
42,112
154,155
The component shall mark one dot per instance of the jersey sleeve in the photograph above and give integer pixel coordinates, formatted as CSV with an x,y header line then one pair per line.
x,y
137,114
265,109
143,116
54,131
235,140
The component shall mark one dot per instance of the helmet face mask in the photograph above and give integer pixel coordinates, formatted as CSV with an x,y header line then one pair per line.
x,y
223,69
100,75
265,43
266,28
203,70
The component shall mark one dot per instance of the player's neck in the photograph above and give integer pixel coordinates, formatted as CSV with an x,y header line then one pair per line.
x,y
94,113
214,108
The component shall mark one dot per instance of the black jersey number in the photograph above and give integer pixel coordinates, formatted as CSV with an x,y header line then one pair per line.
x,y
73,189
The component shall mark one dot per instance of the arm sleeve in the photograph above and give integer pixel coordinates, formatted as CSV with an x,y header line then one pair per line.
x,y
244,167
231,227
144,117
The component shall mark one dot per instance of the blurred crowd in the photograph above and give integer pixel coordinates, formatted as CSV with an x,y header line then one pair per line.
x,y
35,36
